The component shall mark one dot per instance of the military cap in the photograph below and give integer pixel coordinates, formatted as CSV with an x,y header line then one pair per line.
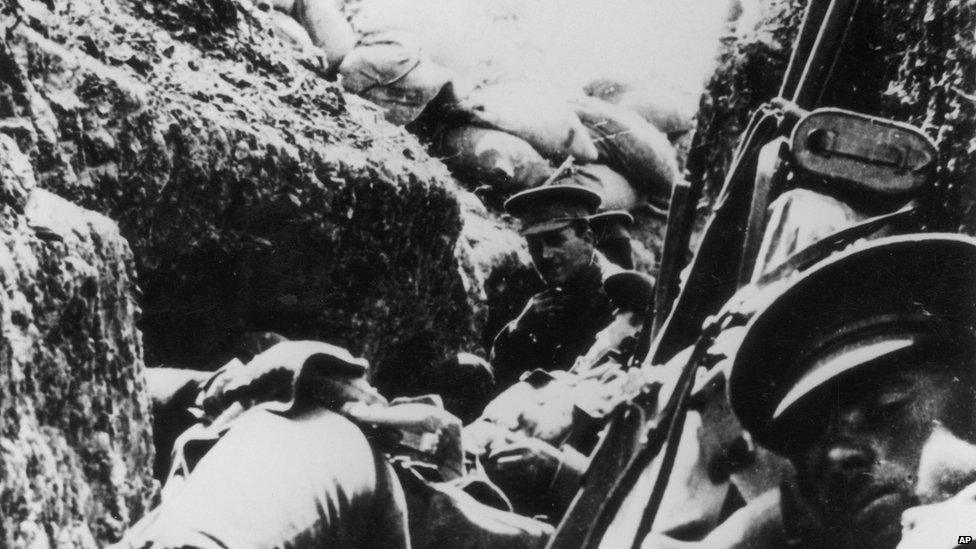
x,y
298,354
630,289
847,314
552,206
611,224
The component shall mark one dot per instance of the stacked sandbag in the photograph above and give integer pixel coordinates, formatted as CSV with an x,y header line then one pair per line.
x,y
313,23
384,65
633,147
386,69
533,114
75,439
327,27
512,134
491,157
291,31
616,191
658,105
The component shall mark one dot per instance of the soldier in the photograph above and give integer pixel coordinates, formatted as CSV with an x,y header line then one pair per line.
x,y
612,231
862,374
561,322
296,456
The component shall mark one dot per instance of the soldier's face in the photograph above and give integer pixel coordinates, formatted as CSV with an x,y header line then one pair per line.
x,y
562,254
892,441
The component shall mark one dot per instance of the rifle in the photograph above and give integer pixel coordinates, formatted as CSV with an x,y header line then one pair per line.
x,y
731,240
716,272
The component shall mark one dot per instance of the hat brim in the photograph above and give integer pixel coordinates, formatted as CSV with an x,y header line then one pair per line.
x,y
548,226
620,217
928,275
522,202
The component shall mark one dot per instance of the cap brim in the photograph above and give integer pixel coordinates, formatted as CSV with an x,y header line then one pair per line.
x,y
521,202
929,275
547,226
613,216
837,364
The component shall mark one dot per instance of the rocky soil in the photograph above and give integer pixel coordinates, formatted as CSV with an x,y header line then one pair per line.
x,y
75,444
179,146
254,193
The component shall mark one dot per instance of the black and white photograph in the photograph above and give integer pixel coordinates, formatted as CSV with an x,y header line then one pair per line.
x,y
487,274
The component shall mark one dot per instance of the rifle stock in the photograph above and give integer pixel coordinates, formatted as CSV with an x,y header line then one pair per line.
x,y
716,269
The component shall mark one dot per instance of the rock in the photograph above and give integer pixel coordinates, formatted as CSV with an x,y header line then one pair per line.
x,y
75,442
254,195
16,176
498,265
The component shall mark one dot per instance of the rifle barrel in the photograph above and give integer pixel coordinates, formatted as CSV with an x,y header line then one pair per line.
x,y
681,217
805,39
824,53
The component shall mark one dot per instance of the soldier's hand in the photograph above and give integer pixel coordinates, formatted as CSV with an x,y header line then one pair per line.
x,y
524,462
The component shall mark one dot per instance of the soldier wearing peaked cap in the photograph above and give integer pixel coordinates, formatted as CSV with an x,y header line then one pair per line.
x,y
559,323
862,374
612,232
552,207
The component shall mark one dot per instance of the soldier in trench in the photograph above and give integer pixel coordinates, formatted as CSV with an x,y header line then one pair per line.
x,y
861,373
353,488
559,323
865,383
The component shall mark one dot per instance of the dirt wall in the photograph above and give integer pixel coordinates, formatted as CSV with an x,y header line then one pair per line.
x,y
75,444
255,195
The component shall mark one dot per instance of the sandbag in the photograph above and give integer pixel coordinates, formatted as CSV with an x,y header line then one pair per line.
x,y
492,157
291,31
615,189
326,26
284,6
534,115
397,77
663,108
630,145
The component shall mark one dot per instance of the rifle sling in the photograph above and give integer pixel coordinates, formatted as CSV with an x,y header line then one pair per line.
x,y
715,266
672,441
657,436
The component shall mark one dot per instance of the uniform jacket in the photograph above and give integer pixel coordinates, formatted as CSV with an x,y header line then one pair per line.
x,y
521,347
